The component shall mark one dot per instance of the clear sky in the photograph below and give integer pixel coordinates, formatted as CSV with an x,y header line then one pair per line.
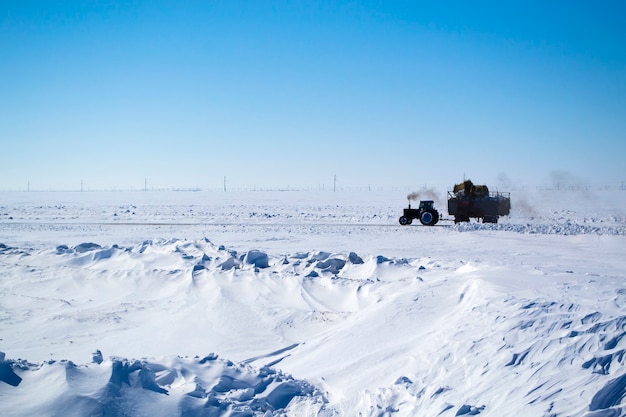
x,y
276,93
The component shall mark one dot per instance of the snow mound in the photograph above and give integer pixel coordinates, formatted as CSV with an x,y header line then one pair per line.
x,y
565,228
167,387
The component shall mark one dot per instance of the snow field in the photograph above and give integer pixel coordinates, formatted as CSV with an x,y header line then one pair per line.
x,y
309,309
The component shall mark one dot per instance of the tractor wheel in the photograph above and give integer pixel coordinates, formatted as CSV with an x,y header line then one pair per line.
x,y
429,218
404,221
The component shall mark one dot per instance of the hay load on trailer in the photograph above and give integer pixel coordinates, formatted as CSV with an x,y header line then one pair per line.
x,y
467,200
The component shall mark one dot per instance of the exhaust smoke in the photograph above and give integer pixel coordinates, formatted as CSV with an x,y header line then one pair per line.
x,y
423,194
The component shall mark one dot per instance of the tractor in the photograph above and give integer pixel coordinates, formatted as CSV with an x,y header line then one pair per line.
x,y
426,213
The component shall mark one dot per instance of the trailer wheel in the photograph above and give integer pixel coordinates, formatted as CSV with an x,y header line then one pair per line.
x,y
429,218
404,221
490,219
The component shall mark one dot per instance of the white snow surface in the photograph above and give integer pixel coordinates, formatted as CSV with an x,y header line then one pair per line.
x,y
309,304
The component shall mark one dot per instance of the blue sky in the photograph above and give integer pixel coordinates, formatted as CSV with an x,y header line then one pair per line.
x,y
277,93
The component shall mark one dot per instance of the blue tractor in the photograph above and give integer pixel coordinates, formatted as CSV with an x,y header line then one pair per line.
x,y
426,213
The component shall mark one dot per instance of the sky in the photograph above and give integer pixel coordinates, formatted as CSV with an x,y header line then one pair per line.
x,y
372,93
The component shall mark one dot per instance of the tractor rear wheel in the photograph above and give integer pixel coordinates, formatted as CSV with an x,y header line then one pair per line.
x,y
429,218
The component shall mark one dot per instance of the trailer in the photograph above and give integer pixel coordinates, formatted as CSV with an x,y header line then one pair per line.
x,y
467,201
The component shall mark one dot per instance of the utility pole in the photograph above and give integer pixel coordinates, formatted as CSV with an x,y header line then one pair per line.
x,y
224,183
81,185
335,183
145,185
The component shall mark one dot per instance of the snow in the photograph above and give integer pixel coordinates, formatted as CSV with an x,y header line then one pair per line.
x,y
306,303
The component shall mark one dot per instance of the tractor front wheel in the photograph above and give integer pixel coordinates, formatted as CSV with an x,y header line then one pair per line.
x,y
404,221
